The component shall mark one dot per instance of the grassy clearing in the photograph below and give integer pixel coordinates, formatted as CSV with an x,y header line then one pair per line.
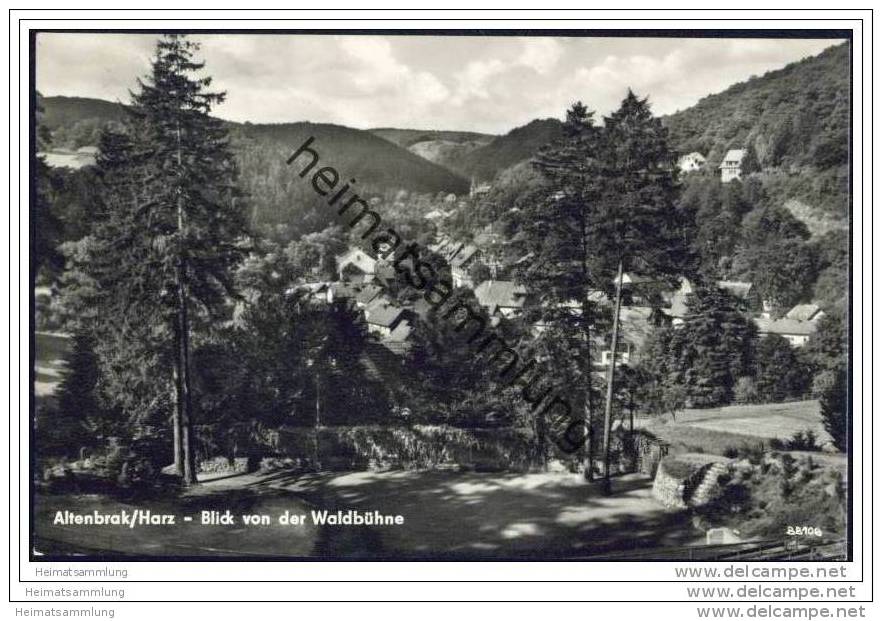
x,y
50,352
714,430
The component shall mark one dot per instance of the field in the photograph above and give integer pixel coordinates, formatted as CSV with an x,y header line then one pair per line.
x,y
714,430
50,352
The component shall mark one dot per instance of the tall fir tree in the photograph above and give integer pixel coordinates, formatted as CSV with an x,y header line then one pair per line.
x,y
172,228
713,348
551,227
780,373
636,224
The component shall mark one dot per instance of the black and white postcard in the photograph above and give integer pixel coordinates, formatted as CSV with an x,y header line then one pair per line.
x,y
578,303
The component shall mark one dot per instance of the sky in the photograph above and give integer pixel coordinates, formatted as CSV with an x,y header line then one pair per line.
x,y
484,84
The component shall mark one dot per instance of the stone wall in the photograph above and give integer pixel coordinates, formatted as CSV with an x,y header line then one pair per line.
x,y
668,488
688,480
416,447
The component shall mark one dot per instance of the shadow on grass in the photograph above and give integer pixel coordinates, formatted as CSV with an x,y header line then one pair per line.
x,y
447,515
460,516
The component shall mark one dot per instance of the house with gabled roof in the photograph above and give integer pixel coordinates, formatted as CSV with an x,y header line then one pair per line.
x,y
382,317
805,312
691,162
730,167
356,264
746,292
501,297
397,340
462,263
366,294
796,331
636,323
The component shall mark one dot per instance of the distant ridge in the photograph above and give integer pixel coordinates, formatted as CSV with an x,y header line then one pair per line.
x,y
77,121
520,144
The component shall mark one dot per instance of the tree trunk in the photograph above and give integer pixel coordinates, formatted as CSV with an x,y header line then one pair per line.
x,y
184,402
607,412
188,456
631,414
318,422
587,317
178,411
588,465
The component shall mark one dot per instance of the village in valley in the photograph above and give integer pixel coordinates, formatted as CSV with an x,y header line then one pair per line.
x,y
362,277
209,335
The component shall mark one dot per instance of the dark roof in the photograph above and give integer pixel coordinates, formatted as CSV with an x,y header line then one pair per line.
x,y
344,290
381,364
400,333
381,313
464,255
736,288
367,293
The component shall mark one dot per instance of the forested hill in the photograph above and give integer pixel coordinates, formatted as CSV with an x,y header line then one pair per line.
x,y
65,111
520,144
278,197
798,115
408,137
796,119
356,153
445,148
77,121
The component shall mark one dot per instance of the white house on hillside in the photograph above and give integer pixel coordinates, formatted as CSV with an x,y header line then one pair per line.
x,y
356,261
805,312
691,162
796,331
730,168
501,297
462,263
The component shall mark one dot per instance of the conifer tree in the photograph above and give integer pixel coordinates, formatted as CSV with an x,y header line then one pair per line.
x,y
836,409
172,229
551,228
780,374
637,224
712,349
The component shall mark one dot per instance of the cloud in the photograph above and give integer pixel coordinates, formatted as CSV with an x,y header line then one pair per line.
x,y
489,84
541,55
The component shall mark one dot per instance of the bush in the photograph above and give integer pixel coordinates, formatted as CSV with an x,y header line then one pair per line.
x,y
835,408
137,471
822,382
752,452
745,390
136,464
375,447
762,499
780,374
803,441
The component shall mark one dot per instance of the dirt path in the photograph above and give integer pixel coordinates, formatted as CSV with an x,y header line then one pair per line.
x,y
446,515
